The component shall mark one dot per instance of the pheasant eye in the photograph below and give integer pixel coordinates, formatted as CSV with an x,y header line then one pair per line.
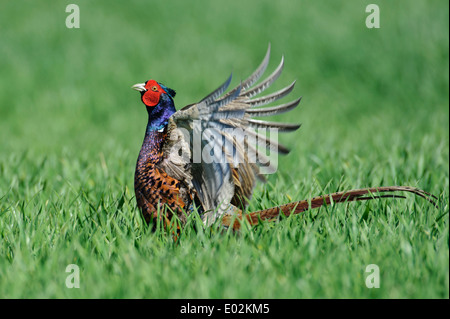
x,y
154,88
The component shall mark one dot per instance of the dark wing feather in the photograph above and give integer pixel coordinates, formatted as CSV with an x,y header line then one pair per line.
x,y
222,122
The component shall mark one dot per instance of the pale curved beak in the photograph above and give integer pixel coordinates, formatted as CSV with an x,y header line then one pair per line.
x,y
139,87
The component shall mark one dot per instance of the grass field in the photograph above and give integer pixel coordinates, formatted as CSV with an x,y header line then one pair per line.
x,y
374,112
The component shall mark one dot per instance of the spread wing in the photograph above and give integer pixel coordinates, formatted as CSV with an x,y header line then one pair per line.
x,y
226,142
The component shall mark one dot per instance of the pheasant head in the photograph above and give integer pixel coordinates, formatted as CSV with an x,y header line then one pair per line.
x,y
159,102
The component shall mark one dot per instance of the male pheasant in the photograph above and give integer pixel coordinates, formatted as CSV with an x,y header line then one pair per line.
x,y
205,157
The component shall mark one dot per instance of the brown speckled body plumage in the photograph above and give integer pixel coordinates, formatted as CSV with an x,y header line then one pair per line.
x,y
153,187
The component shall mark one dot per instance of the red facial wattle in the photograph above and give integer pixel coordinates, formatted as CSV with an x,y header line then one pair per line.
x,y
153,93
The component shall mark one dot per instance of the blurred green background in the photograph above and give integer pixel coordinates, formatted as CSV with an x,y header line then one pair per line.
x,y
70,88
374,108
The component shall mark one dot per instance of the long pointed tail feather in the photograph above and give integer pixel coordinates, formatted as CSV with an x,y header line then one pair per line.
x,y
341,197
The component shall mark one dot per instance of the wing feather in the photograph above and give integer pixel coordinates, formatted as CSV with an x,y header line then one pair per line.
x,y
228,169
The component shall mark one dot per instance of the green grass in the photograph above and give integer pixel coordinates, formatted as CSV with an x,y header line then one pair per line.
x,y
374,112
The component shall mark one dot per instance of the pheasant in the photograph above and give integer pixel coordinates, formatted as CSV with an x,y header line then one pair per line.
x,y
207,156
